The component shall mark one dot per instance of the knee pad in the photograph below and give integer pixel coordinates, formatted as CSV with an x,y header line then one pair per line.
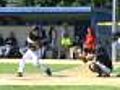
x,y
104,69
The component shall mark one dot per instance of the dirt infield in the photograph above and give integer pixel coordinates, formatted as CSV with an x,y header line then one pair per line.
x,y
75,76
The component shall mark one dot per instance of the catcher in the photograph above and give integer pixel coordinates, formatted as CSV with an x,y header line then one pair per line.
x,y
100,62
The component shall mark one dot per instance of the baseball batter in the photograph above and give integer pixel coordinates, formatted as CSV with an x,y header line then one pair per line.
x,y
35,53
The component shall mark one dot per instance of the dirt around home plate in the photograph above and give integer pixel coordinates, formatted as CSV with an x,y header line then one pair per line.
x,y
75,76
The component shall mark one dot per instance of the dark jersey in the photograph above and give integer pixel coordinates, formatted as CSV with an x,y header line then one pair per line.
x,y
34,37
11,41
33,40
103,58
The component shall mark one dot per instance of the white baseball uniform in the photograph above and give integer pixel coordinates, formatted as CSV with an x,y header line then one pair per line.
x,y
35,56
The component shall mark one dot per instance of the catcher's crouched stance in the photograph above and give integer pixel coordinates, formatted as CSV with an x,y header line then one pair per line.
x,y
100,62
35,53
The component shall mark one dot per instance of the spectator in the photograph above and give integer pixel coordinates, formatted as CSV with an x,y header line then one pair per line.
x,y
11,45
64,29
52,49
1,40
1,45
66,43
79,37
43,36
90,42
52,36
11,40
80,34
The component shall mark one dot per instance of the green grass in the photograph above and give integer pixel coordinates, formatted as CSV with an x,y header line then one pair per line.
x,y
117,70
12,68
58,88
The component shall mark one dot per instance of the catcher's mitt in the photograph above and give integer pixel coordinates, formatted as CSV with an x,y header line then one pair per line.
x,y
83,58
86,58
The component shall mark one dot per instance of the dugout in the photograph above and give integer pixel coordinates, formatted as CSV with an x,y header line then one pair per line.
x,y
16,18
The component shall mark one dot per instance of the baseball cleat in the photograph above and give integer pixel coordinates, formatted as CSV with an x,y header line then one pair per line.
x,y
20,74
48,72
103,75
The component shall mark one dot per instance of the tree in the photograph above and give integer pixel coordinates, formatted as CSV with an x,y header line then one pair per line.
x,y
28,2
3,3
